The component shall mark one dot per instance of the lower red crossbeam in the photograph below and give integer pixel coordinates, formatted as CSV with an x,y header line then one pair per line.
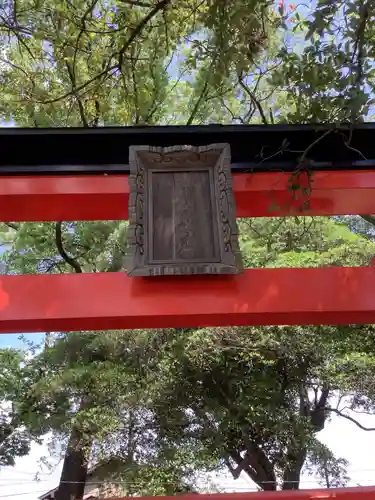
x,y
105,301
358,493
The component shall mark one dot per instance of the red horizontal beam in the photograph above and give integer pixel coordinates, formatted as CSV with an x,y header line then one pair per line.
x,y
106,197
105,301
359,493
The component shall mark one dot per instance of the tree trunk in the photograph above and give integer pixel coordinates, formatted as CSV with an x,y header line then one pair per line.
x,y
74,473
369,218
292,473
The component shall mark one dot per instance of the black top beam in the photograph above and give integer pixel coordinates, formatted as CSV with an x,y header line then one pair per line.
x,y
259,148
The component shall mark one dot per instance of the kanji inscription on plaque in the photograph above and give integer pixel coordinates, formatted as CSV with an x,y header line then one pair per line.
x,y
181,211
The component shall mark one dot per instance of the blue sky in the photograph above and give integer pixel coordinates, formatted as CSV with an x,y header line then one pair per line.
x,y
13,339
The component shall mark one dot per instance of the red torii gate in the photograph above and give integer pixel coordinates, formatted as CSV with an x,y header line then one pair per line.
x,y
41,180
359,493
79,174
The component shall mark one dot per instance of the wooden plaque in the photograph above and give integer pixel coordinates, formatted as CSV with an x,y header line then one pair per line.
x,y
182,217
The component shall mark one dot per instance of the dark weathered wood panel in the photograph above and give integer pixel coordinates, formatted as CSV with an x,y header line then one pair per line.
x,y
181,217
161,185
193,217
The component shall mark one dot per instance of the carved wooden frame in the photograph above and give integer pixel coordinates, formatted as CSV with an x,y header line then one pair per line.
x,y
214,158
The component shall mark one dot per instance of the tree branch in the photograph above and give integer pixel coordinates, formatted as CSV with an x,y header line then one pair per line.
x,y
81,108
317,415
136,32
242,464
198,103
351,419
136,3
369,218
82,30
253,469
139,28
12,225
59,244
359,50
253,99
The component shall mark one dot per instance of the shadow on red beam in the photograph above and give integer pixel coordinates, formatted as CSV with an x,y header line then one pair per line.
x,y
257,195
109,301
359,493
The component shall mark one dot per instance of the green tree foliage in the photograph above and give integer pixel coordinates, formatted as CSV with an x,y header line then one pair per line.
x,y
126,62
129,62
15,438
163,406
